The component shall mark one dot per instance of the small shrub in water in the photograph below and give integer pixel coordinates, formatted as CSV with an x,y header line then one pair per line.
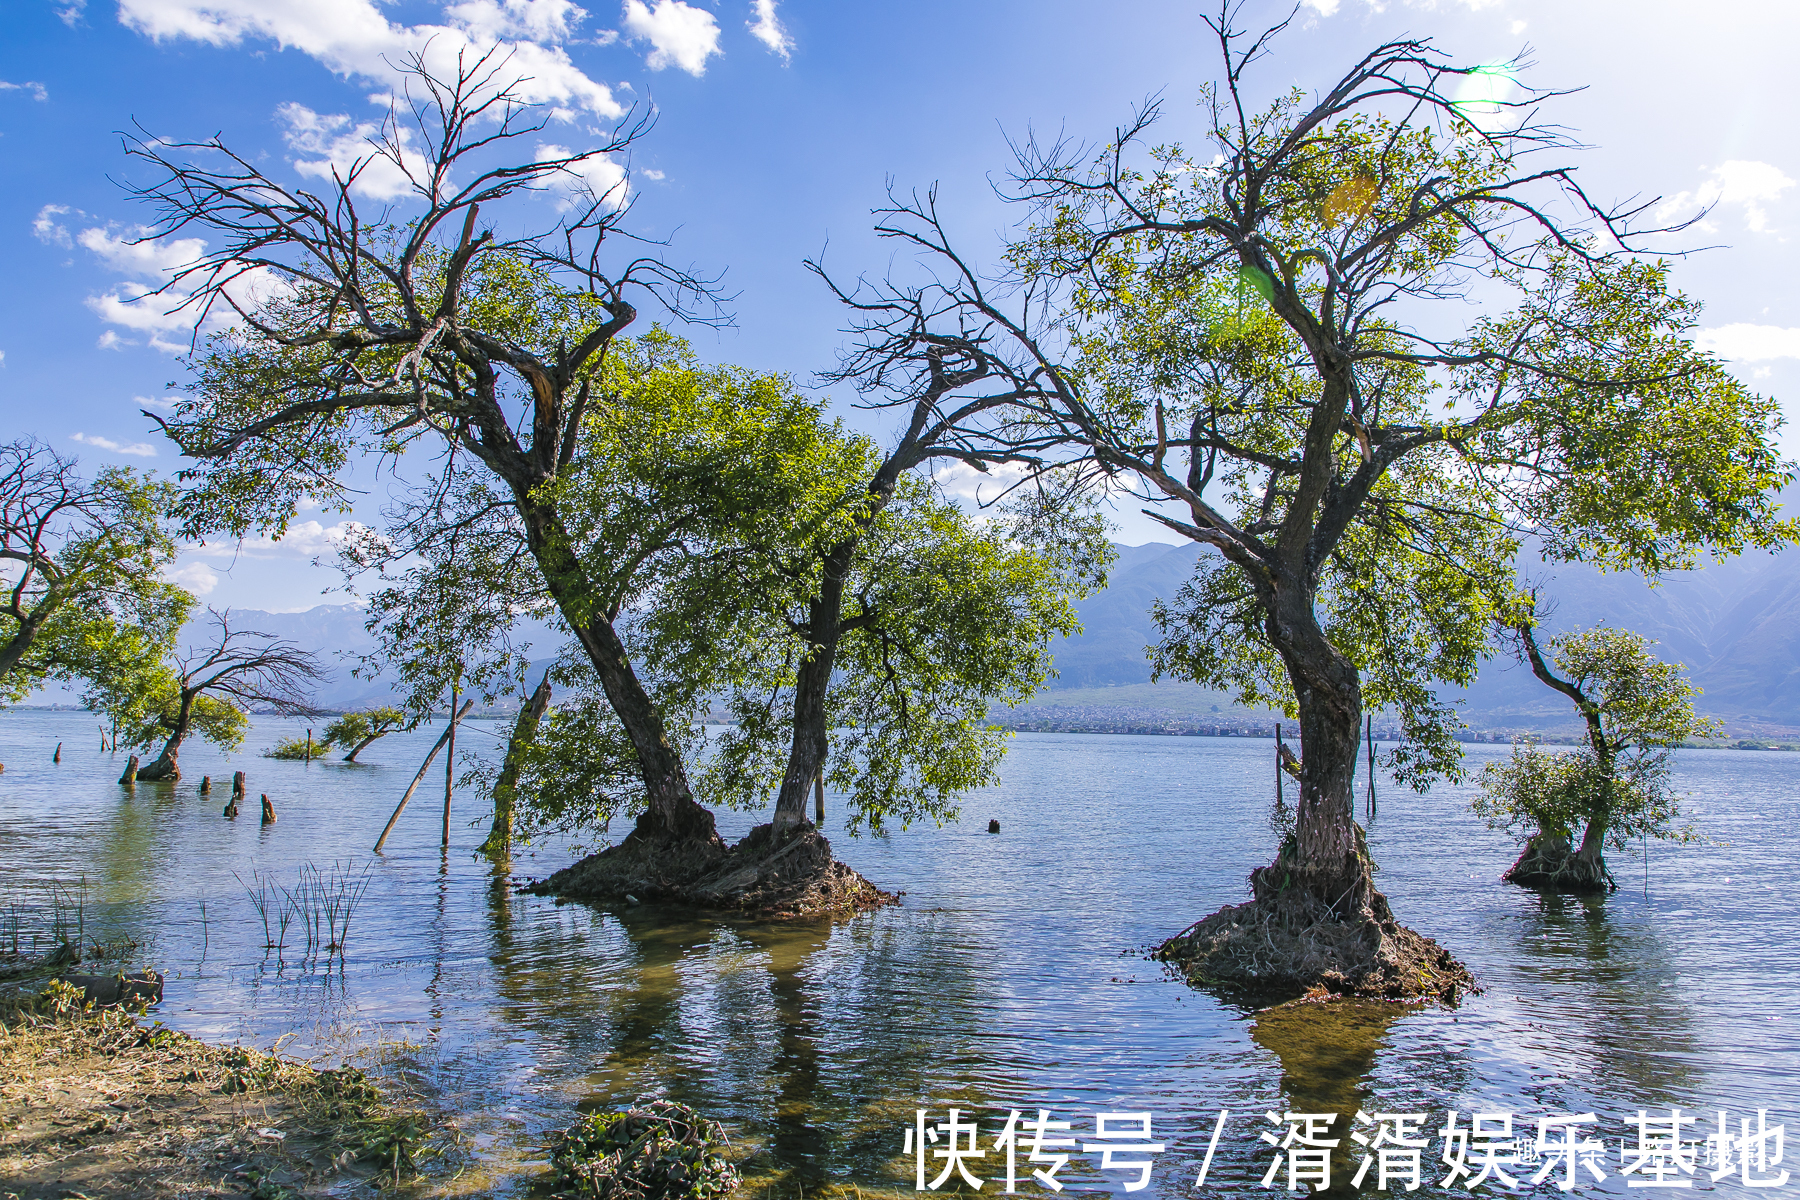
x,y
662,1151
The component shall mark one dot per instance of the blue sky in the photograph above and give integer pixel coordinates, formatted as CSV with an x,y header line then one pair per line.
x,y
778,125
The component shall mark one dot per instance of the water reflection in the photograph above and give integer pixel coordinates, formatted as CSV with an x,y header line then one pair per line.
x,y
1627,1014
1008,979
1327,1053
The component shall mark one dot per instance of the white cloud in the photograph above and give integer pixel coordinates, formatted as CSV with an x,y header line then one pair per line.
x,y
767,28
166,403
679,35
136,449
47,229
36,89
353,37
654,175
532,20
109,339
1750,343
197,578
341,144
150,263
966,483
303,539
71,12
600,177
1739,183
1324,8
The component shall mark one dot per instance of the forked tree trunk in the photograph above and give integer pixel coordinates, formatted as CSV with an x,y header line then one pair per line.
x,y
499,838
811,740
670,812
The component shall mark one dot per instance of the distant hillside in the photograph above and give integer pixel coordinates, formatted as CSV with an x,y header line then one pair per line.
x,y
1735,625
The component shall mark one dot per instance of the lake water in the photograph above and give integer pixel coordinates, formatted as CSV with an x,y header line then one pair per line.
x,y
1013,976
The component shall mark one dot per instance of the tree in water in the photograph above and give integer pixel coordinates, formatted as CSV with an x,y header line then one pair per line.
x,y
359,730
81,562
209,689
480,342
1637,710
1256,338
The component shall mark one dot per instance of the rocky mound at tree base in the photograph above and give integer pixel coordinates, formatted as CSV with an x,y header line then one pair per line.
x,y
1283,948
1552,866
766,875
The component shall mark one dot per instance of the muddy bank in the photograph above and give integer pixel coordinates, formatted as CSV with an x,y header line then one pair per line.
x,y
101,1104
769,875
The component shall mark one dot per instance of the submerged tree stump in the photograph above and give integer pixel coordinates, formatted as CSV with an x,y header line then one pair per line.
x,y
131,771
268,810
1549,863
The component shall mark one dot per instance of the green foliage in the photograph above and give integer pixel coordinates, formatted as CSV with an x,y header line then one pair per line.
x,y
662,1151
1638,709
298,749
1537,791
944,617
88,558
1258,315
353,731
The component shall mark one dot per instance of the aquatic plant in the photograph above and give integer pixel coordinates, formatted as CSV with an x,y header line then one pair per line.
x,y
662,1150
68,913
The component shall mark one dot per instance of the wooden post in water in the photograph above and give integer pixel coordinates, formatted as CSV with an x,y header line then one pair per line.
x,y
819,797
57,757
1369,738
205,784
1278,799
309,745
130,775
450,764
420,777
268,810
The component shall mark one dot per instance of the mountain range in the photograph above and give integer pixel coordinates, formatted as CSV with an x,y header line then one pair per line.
x,y
1735,624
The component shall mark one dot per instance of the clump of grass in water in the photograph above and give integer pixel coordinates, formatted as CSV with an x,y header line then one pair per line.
x,y
68,913
322,901
663,1151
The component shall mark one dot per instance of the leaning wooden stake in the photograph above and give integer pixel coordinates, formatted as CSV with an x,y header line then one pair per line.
x,y
1370,739
420,777
57,757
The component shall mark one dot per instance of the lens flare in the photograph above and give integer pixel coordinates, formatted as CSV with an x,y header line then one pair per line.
x,y
1482,95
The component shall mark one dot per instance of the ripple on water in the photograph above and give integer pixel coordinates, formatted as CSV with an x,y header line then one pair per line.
x,y
1012,977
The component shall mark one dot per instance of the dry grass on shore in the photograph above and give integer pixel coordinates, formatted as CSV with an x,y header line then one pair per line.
x,y
96,1104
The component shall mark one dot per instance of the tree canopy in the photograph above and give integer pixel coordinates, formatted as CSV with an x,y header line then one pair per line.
x,y
83,565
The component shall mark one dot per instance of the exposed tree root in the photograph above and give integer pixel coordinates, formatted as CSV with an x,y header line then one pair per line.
x,y
765,875
1294,945
1548,863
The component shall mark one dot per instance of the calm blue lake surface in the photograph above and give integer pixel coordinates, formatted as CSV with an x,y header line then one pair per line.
x,y
1012,977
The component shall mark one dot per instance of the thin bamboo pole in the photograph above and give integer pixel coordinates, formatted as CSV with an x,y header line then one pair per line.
x,y
1278,799
420,777
450,765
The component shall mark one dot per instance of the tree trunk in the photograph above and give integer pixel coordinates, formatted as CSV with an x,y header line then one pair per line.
x,y
168,763
825,626
364,745
1329,863
671,811
14,650
499,838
